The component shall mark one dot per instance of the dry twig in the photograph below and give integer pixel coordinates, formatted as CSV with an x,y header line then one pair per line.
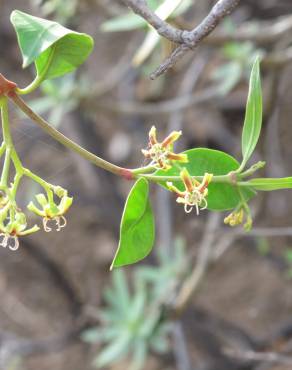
x,y
187,39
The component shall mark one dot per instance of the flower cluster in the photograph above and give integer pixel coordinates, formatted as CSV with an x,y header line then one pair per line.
x,y
161,154
238,216
195,193
13,223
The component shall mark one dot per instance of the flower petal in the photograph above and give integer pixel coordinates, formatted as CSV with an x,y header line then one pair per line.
x,y
152,135
173,188
35,210
33,229
187,180
171,138
146,153
206,181
177,157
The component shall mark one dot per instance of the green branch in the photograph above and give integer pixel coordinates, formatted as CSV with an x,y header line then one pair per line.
x,y
58,136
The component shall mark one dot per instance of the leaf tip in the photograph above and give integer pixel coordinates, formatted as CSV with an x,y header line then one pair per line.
x,y
13,14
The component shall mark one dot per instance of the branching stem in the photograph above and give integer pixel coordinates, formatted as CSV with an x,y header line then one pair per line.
x,y
129,174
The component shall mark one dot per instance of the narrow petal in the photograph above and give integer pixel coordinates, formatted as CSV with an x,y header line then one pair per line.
x,y
206,181
146,153
173,188
65,204
41,199
178,157
152,135
171,138
35,210
4,212
33,229
163,165
187,180
181,200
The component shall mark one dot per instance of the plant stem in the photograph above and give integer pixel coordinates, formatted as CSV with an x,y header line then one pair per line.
x,y
46,186
250,171
99,162
37,179
31,87
7,145
217,179
39,78
15,185
7,141
142,170
110,167
5,122
2,148
58,136
6,167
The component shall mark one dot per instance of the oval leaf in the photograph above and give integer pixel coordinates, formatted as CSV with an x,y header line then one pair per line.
x,y
268,184
137,227
221,196
253,114
54,49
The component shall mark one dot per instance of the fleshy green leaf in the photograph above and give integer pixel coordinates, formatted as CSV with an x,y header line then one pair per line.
x,y
117,349
54,49
221,196
268,184
253,114
137,227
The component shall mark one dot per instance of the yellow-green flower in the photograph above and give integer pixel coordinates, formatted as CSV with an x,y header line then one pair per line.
x,y
12,225
234,218
195,193
50,210
238,216
161,154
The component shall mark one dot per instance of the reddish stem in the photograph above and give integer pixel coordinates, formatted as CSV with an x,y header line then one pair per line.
x,y
127,174
6,85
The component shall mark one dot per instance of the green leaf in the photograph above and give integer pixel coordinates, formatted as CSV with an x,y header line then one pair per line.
x,y
54,49
91,335
120,291
137,227
221,196
253,114
117,349
269,184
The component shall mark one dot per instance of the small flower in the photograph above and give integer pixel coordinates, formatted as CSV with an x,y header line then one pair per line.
x,y
238,216
234,218
161,153
12,225
195,193
50,211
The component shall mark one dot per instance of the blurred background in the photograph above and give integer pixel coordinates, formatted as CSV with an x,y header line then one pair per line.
x,y
61,308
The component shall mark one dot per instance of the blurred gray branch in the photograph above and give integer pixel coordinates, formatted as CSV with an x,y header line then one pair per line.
x,y
187,39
